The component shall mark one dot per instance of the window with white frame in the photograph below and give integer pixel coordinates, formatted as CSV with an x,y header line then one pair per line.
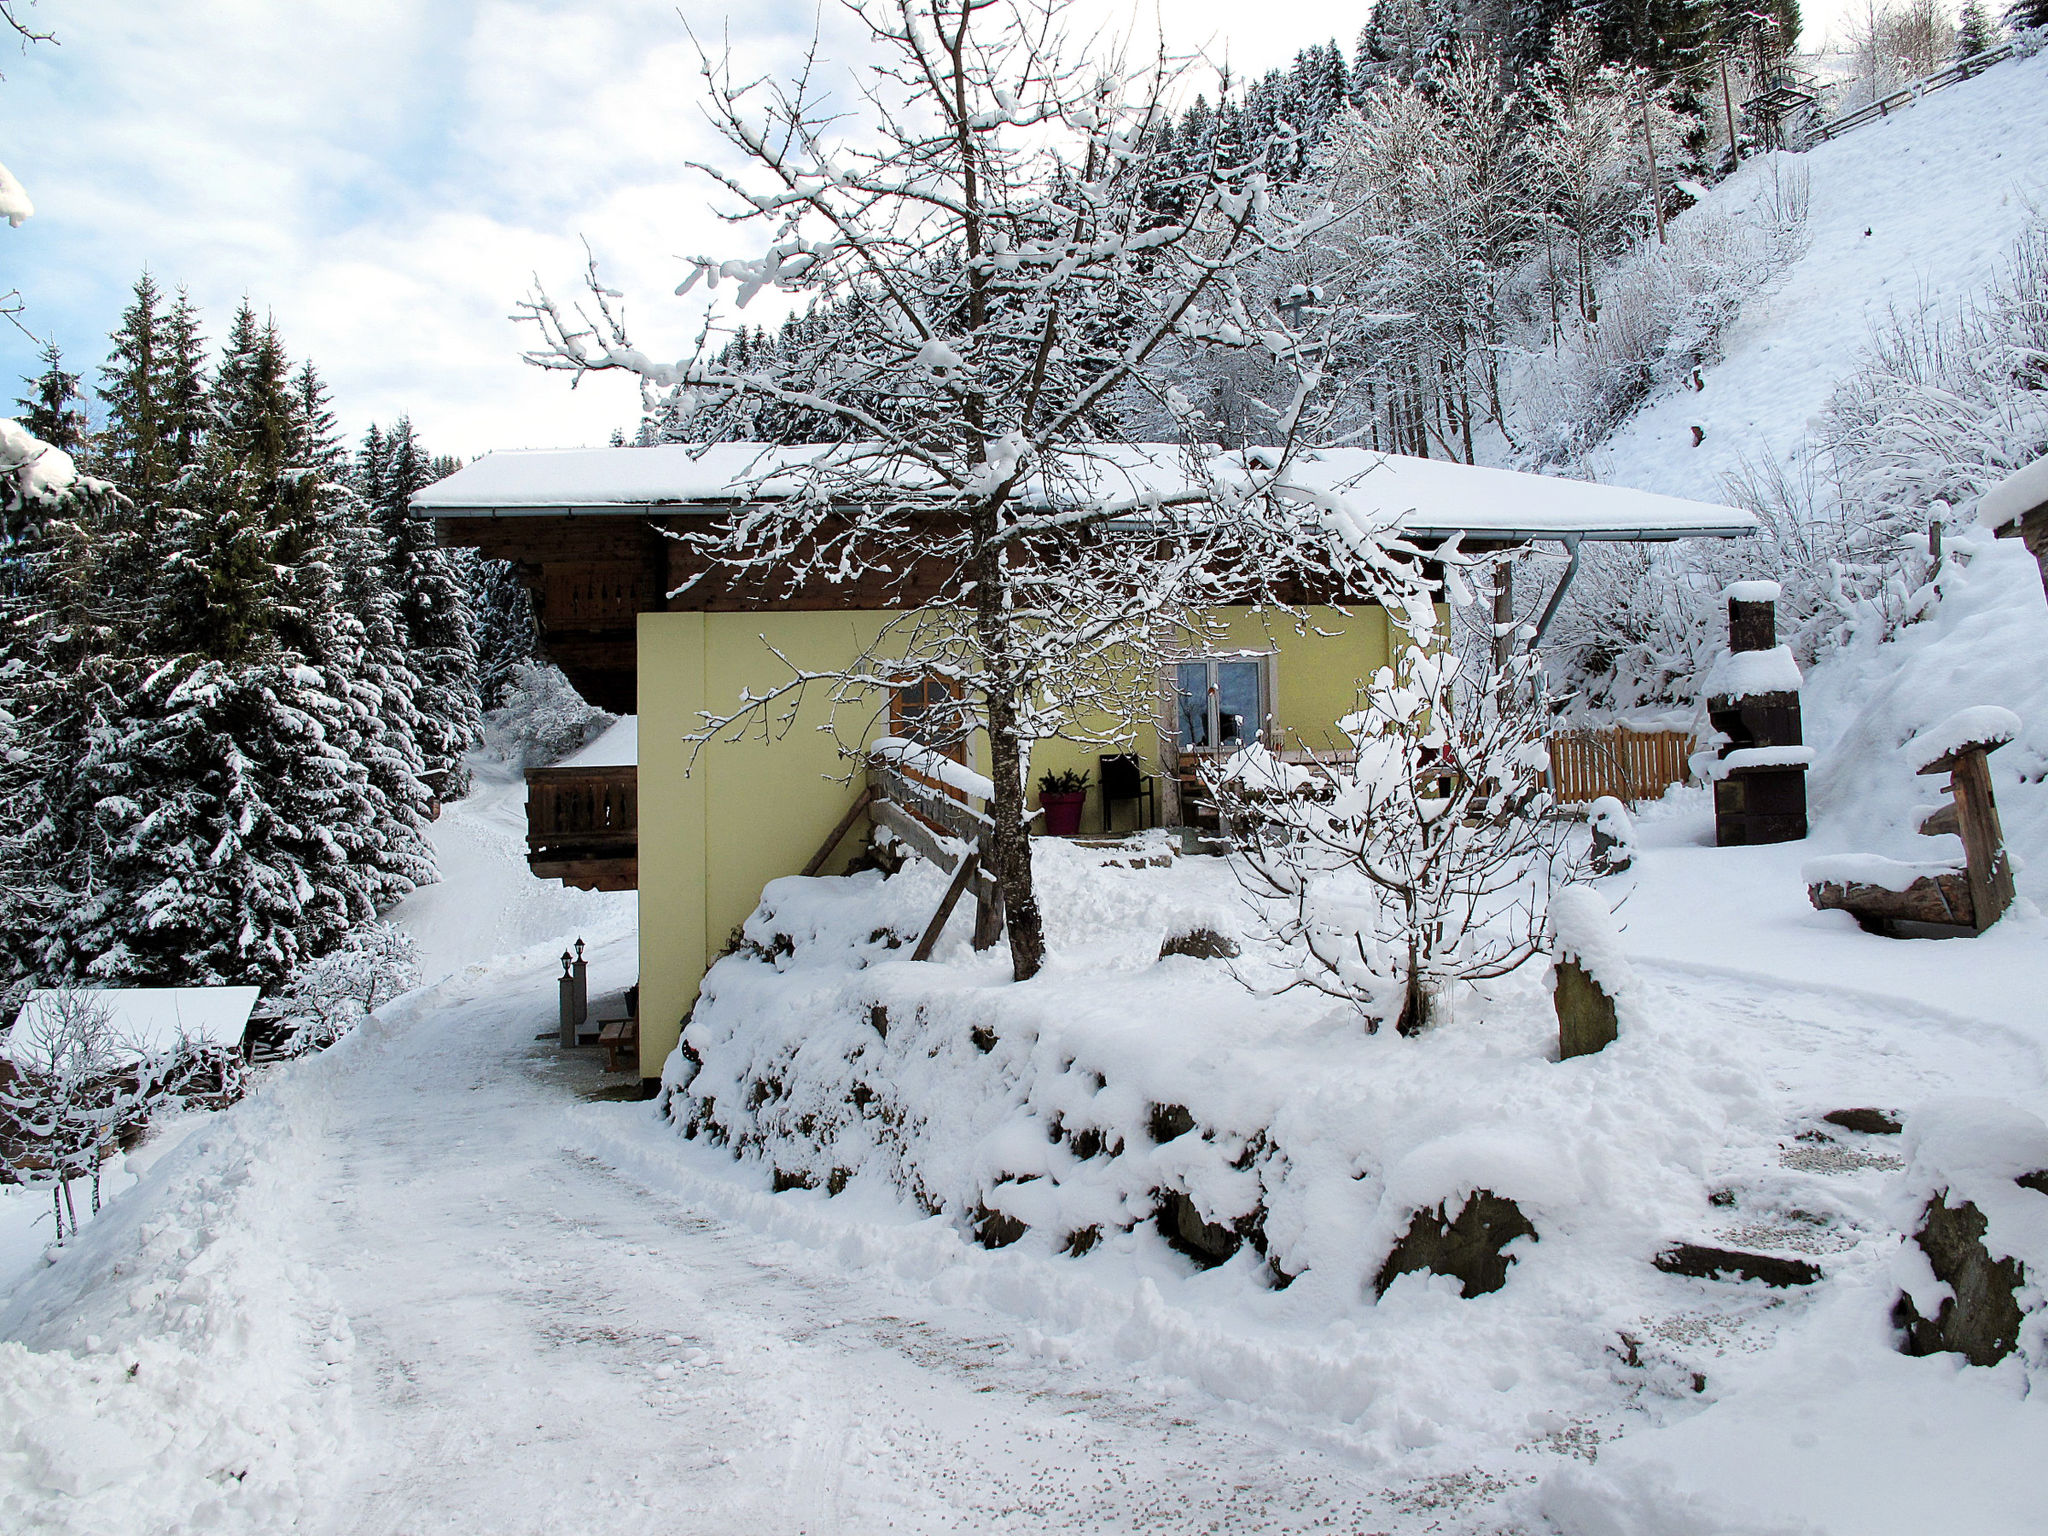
x,y
1222,703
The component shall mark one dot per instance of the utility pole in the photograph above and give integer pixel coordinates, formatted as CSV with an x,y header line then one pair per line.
x,y
1656,183
1728,106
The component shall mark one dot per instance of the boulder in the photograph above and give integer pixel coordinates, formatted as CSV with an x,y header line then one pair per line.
x,y
1470,1246
1981,1321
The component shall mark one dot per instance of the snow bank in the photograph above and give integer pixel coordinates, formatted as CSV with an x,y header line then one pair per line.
x,y
1981,725
1974,1149
2019,493
176,1370
1982,640
1745,674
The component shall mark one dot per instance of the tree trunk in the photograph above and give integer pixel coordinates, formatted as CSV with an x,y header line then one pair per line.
x,y
1009,838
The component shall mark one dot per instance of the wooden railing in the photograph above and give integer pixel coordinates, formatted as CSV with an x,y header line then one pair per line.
x,y
1629,765
1909,93
583,826
950,833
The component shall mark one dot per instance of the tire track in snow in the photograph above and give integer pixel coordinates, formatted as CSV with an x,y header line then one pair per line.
x,y
545,1345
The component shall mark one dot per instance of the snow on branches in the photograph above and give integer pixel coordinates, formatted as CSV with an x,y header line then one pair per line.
x,y
1423,857
1008,251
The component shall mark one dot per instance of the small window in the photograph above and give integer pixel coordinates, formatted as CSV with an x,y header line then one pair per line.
x,y
1223,704
927,711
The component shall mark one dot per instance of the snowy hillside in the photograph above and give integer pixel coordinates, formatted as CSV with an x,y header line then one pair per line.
x,y
1917,208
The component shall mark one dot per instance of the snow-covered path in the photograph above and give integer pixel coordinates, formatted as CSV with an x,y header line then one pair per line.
x,y
543,1345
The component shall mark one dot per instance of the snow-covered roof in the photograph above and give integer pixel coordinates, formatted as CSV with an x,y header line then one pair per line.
x,y
1439,496
2015,496
145,1021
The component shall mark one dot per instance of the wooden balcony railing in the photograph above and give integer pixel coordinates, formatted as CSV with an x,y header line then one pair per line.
x,y
583,826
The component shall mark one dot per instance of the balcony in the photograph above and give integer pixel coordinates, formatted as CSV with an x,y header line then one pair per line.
x,y
583,827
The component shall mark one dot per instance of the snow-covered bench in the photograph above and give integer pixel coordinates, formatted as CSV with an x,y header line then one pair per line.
x,y
1970,893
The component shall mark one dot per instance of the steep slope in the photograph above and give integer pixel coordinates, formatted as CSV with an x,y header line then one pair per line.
x,y
1918,208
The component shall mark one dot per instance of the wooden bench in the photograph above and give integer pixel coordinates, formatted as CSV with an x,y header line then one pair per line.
x,y
620,1039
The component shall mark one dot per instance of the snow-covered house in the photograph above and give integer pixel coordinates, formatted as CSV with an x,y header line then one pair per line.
x,y
639,626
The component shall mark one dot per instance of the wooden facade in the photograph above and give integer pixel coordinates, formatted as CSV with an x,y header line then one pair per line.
x,y
583,826
591,574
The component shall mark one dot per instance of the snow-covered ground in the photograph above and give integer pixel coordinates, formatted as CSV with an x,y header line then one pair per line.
x,y
427,1282
440,1278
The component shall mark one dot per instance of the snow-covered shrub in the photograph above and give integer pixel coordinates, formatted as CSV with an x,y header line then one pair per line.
x,y
1425,856
328,997
1663,308
1946,406
543,718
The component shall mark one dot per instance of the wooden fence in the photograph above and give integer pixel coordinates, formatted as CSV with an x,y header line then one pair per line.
x,y
1629,765
1909,93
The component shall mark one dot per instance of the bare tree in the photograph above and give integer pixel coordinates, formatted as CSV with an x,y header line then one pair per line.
x,y
64,1099
1422,858
990,236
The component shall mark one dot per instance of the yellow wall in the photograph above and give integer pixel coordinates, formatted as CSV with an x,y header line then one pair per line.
x,y
1317,675
715,829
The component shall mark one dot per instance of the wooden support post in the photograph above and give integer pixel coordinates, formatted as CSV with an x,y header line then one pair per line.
x,y
1586,1018
961,878
1503,613
566,987
988,913
1984,853
846,822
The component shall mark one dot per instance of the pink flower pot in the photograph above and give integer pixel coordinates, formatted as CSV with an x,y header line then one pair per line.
x,y
1063,812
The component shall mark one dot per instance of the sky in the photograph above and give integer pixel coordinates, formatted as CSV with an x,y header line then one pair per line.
x,y
388,178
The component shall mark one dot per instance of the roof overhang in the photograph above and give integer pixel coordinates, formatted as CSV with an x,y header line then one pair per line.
x,y
1444,499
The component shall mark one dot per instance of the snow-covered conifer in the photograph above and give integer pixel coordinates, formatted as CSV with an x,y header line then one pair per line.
x,y
48,410
433,605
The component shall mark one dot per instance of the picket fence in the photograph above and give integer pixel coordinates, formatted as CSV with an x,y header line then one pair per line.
x,y
1629,765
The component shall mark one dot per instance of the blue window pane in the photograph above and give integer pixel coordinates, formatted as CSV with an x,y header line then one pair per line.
x,y
1241,714
1193,690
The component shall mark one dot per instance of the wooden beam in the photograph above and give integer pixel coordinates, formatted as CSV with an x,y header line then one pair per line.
x,y
1983,843
961,878
846,822
912,831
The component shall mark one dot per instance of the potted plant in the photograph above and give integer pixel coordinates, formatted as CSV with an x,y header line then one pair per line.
x,y
1061,796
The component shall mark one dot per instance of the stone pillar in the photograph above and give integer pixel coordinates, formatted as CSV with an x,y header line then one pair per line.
x,y
566,987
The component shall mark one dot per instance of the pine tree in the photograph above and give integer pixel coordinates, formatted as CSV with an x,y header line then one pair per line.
x,y
440,640
187,412
136,384
2023,15
1974,32
47,410
506,631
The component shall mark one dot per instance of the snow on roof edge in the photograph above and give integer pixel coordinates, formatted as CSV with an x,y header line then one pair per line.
x,y
1443,496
